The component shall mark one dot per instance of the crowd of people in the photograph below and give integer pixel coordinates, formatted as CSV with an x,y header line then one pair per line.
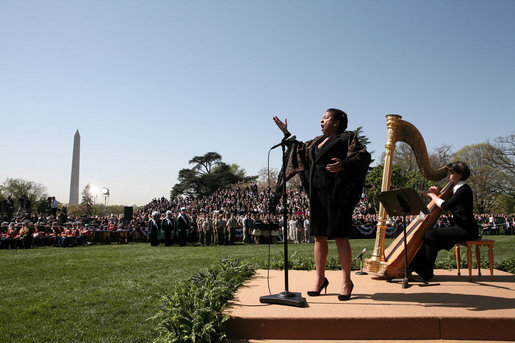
x,y
241,214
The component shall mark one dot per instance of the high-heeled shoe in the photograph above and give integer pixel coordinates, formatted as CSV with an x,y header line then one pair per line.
x,y
317,293
344,297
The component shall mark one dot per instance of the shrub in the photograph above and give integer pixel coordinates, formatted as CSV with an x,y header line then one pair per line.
x,y
194,310
507,265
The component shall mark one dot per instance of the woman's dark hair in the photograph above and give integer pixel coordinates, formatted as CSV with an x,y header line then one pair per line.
x,y
460,168
340,116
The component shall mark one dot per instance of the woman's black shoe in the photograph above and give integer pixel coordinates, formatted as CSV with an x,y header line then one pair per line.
x,y
317,293
344,297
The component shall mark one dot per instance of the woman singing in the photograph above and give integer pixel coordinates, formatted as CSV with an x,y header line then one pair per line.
x,y
464,227
333,167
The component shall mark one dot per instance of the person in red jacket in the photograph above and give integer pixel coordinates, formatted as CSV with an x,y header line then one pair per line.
x,y
12,235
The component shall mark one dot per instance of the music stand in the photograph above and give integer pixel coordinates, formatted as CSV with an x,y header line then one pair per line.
x,y
402,202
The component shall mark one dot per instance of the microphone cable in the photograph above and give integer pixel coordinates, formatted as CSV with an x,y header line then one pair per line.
x,y
268,211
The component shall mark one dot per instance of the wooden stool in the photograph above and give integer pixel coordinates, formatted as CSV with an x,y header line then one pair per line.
x,y
477,244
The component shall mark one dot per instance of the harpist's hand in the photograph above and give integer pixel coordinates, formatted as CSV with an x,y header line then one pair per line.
x,y
336,166
282,126
435,190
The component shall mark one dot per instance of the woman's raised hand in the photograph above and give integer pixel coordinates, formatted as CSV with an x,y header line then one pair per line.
x,y
282,126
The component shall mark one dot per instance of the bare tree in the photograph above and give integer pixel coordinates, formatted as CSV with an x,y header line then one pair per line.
x,y
441,156
267,177
482,174
403,157
501,157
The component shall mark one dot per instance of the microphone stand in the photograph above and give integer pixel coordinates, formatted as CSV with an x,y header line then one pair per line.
x,y
286,297
360,256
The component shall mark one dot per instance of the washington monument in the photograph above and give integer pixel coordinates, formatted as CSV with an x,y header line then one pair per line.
x,y
74,184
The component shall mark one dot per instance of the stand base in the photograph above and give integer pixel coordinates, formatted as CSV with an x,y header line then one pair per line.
x,y
284,298
361,273
405,281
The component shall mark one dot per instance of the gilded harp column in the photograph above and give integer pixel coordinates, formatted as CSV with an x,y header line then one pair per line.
x,y
376,263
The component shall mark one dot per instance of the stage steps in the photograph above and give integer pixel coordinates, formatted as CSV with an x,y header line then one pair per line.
x,y
450,308
359,341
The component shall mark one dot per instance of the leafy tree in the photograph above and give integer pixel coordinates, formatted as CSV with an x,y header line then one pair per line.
x,y
361,137
204,164
364,140
374,181
410,174
399,179
17,188
87,203
502,158
414,179
207,175
42,205
503,204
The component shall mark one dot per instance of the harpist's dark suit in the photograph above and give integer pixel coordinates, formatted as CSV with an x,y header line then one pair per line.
x,y
464,228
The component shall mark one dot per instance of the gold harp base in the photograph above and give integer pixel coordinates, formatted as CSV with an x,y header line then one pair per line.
x,y
375,266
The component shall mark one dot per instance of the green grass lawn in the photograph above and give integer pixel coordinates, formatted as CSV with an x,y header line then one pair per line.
x,y
107,293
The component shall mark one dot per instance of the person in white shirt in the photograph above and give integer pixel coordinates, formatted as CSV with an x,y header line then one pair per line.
x,y
460,204
53,206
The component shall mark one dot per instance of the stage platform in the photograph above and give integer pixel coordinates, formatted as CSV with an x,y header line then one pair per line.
x,y
451,308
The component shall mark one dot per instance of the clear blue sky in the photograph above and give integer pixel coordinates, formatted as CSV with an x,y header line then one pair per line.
x,y
151,84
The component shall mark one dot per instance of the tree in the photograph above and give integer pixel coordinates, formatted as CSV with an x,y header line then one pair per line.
x,y
441,156
410,175
403,157
87,203
503,204
483,175
399,179
374,180
18,188
187,184
362,138
501,157
267,177
207,175
204,164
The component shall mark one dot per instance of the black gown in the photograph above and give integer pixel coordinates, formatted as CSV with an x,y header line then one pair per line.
x,y
332,196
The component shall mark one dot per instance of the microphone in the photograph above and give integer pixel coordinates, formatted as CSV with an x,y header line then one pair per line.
x,y
287,140
361,254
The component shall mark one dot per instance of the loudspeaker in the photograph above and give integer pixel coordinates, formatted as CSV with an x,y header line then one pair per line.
x,y
127,213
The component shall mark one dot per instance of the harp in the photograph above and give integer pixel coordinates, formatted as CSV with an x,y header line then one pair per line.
x,y
390,262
